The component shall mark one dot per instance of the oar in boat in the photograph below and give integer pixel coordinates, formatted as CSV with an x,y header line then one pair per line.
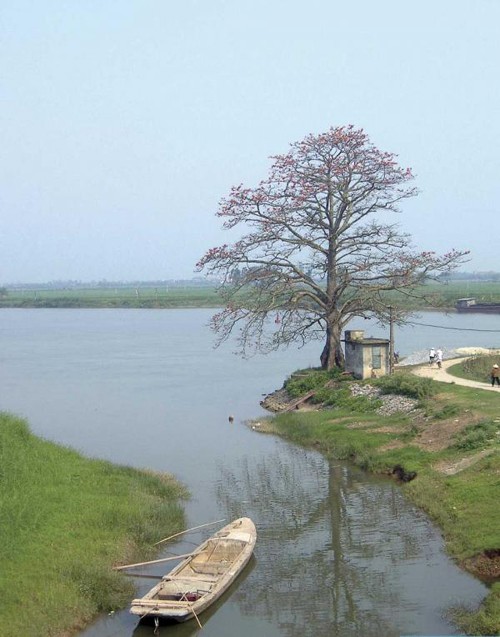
x,y
196,616
165,559
195,528
145,575
191,606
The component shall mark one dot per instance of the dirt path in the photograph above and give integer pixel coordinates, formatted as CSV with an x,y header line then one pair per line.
x,y
443,376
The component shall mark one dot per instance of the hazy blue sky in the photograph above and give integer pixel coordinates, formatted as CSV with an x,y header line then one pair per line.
x,y
124,122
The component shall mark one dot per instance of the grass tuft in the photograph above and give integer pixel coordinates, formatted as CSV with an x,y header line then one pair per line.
x,y
478,436
483,621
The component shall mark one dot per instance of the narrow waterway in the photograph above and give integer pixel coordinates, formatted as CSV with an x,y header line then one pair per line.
x,y
339,552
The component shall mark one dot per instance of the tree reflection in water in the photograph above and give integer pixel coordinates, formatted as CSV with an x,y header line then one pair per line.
x,y
332,545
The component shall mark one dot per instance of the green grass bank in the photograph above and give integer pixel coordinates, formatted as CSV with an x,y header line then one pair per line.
x,y
445,443
65,521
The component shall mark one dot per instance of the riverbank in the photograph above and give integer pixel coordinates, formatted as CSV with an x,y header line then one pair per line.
x,y
440,440
66,520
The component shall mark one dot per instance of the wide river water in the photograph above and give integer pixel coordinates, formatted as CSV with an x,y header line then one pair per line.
x,y
339,552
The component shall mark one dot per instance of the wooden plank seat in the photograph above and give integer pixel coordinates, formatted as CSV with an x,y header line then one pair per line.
x,y
175,578
210,568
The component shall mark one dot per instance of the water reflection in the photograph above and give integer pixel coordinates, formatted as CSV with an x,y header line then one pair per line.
x,y
338,550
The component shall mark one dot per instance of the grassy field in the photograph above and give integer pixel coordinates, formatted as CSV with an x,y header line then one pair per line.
x,y
444,295
452,444
163,298
65,521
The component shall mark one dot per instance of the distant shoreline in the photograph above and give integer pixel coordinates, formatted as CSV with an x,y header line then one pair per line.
x,y
440,297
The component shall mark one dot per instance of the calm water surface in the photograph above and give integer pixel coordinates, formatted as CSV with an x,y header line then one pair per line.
x,y
339,552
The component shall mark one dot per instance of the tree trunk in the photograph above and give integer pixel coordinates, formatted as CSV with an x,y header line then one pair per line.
x,y
332,355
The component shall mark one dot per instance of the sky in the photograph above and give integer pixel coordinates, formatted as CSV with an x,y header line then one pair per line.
x,y
123,123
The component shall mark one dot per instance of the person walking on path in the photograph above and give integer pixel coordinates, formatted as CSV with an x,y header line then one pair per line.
x,y
432,355
439,357
495,375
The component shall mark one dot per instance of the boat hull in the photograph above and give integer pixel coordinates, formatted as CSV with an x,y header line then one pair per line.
x,y
480,309
469,304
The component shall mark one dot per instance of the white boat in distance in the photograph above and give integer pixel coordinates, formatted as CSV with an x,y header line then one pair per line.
x,y
200,579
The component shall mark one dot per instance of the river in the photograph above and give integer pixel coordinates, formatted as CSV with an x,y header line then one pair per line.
x,y
339,552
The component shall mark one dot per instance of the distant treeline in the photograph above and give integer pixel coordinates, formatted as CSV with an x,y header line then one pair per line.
x,y
196,282
471,276
109,285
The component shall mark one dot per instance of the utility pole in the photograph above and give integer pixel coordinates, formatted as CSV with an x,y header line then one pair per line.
x,y
391,341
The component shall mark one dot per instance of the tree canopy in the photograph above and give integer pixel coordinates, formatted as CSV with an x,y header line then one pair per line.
x,y
317,248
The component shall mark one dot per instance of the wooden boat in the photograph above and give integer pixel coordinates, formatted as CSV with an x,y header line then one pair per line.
x,y
471,305
200,579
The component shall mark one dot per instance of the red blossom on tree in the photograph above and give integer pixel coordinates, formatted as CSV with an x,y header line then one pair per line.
x,y
317,246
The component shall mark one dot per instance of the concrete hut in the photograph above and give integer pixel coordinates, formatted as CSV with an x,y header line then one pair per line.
x,y
366,357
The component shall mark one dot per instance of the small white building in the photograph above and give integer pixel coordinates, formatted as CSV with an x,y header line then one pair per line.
x,y
366,357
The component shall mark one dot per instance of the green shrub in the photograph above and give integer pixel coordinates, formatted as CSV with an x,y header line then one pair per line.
x,y
306,380
477,436
330,394
406,385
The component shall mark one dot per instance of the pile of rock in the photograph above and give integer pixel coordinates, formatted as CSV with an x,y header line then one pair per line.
x,y
364,390
391,403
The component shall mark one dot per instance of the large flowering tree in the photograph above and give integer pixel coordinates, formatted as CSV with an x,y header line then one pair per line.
x,y
317,248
